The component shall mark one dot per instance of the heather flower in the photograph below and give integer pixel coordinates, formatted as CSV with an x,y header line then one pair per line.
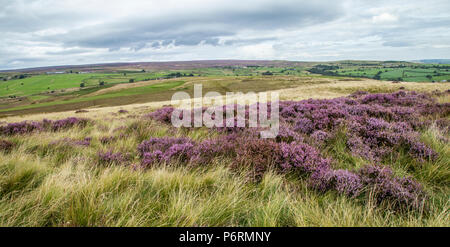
x,y
20,128
165,149
320,136
85,142
109,157
205,151
161,143
286,134
68,123
300,157
107,139
261,154
6,145
378,181
258,154
342,181
422,152
163,115
399,192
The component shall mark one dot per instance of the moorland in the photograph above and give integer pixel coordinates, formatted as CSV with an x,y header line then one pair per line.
x,y
93,146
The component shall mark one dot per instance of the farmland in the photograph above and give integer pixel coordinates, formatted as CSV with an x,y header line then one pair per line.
x,y
73,88
43,90
392,71
351,151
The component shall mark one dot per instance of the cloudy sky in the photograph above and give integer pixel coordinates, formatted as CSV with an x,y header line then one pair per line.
x,y
51,32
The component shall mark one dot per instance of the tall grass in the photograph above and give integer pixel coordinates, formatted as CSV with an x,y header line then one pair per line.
x,y
40,189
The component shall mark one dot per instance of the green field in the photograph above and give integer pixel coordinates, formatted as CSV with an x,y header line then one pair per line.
x,y
41,90
43,83
410,72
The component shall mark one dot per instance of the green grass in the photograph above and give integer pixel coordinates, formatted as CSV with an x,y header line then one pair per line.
x,y
163,86
409,73
37,84
42,83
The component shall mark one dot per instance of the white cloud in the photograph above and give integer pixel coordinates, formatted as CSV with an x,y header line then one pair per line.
x,y
384,18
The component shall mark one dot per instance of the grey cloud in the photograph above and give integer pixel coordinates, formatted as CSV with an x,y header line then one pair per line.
x,y
397,43
201,26
51,32
67,51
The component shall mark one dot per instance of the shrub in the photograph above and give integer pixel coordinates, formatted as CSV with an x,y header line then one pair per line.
x,y
6,145
402,193
68,123
165,149
20,128
163,115
342,181
109,157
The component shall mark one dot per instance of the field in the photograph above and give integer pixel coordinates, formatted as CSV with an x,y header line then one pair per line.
x,y
34,91
78,89
391,71
378,158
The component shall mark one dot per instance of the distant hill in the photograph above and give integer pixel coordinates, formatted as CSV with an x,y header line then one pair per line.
x,y
438,61
161,65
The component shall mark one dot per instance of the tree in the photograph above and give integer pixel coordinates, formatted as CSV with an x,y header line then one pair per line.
x,y
131,80
82,84
101,83
378,76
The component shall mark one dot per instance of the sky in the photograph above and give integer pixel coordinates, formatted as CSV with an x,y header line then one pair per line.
x,y
36,33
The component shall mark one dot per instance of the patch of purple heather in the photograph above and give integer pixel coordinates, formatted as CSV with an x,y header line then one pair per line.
x,y
107,139
26,127
85,142
400,192
161,143
320,136
375,180
110,157
342,181
20,128
163,115
68,123
165,149
6,145
375,125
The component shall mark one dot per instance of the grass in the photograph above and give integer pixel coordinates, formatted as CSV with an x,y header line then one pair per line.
x,y
160,90
43,184
410,73
41,83
151,89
